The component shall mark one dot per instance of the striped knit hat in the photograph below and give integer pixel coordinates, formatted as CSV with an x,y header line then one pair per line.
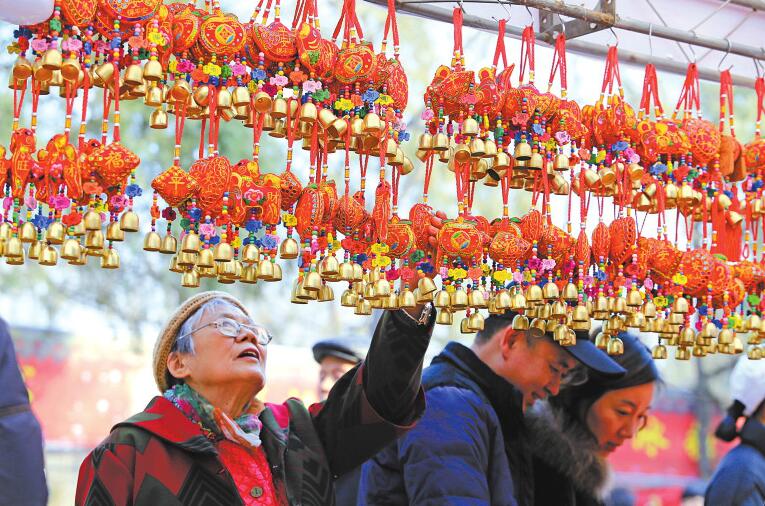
x,y
167,336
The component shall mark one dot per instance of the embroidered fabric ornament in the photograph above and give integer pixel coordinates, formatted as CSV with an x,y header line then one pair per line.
x,y
509,249
309,211
79,12
623,236
291,188
113,163
400,239
221,35
601,242
212,174
175,185
419,216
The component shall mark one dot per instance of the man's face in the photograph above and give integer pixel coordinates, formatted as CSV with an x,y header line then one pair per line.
x,y
536,369
331,369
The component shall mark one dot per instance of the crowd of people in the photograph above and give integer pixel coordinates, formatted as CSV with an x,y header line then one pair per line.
x,y
514,419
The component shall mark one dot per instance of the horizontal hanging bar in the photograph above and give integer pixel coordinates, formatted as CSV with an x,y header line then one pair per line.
x,y
425,10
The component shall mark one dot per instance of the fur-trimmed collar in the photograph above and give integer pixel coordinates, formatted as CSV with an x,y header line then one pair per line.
x,y
565,444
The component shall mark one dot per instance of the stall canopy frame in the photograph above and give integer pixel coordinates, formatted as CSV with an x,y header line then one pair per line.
x,y
721,33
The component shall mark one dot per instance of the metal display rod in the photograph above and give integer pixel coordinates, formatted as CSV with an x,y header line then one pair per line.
x,y
423,8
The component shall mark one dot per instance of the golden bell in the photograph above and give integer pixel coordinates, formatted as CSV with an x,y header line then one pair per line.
x,y
52,59
659,352
363,308
5,230
250,254
615,346
754,353
40,73
635,320
687,336
18,252
543,312
190,279
180,92
607,176
279,108
277,274
550,291
133,75
48,255
326,117
538,324
265,269
476,322
425,142
346,271
649,309
676,319
223,252
406,167
560,333
440,142
329,266
522,151
241,97
682,354
560,163
326,294
753,323
477,148
465,327
371,124
115,233
534,295
191,243
94,240
205,259
129,221
263,103
517,301
312,281
70,70
71,249
489,148
580,314
634,298
570,292
152,71
22,68
358,272
169,245
158,119
224,99
174,266
425,285
558,309
442,299
459,299
308,113
680,305
382,287
445,317
110,259
520,322
535,162
349,298
153,97
406,299
201,96
503,300
187,259
92,221
725,337
28,232
476,299
35,249
289,249
619,305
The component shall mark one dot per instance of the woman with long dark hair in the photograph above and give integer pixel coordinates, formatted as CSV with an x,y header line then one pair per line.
x,y
573,434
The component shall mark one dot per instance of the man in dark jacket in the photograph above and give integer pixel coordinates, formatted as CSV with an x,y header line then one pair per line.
x,y
469,447
22,471
740,477
337,356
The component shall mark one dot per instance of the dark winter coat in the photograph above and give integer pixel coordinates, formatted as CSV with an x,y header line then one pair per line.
x,y
567,469
160,457
740,477
468,449
22,469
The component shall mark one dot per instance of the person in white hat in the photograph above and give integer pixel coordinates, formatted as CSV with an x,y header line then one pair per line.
x,y
740,478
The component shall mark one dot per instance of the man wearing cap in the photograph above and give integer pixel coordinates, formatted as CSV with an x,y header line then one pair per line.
x,y
336,356
208,441
740,478
469,447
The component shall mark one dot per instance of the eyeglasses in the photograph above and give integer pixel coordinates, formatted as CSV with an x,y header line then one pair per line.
x,y
574,377
233,328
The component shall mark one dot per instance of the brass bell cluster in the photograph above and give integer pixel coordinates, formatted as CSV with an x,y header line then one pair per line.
x,y
74,245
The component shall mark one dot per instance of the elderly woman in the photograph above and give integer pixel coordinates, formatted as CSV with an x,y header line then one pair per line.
x,y
572,434
207,440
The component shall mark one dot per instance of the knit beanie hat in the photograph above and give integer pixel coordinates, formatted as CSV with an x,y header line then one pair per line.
x,y
168,335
